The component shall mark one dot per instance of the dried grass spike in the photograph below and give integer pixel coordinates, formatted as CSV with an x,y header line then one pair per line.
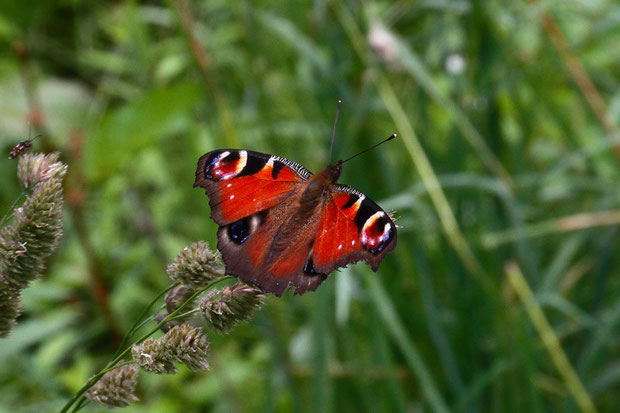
x,y
116,388
196,265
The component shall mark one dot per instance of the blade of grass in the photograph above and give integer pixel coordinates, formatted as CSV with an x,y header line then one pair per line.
x,y
602,337
415,68
429,178
416,151
549,338
578,73
395,327
581,155
383,350
287,31
320,377
607,380
412,65
435,326
208,75
560,262
575,273
553,226
482,382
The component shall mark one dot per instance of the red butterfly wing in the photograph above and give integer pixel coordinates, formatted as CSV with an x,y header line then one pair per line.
x,y
351,228
241,183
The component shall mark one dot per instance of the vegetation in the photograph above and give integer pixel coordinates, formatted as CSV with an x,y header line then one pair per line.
x,y
503,291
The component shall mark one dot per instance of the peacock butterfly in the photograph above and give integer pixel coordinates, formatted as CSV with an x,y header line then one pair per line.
x,y
281,226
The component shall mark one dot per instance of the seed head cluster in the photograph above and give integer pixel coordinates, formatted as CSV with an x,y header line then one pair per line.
x,y
196,266
223,309
116,388
181,344
32,234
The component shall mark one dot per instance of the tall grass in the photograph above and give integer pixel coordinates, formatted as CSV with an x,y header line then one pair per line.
x,y
501,157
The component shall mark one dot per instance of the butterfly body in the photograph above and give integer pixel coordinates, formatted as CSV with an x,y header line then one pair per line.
x,y
281,226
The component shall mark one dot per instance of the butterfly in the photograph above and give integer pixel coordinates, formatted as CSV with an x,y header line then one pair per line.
x,y
280,226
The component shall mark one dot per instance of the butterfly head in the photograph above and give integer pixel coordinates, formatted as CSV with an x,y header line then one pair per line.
x,y
333,171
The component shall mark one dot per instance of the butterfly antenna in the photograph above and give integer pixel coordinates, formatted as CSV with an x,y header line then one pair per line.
x,y
372,147
30,133
331,148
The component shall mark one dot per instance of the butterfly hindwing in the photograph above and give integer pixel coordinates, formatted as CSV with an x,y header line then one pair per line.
x,y
274,256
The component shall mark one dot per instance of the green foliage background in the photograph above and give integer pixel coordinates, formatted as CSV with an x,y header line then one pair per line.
x,y
509,146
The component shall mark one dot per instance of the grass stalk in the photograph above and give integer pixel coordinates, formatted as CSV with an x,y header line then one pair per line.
x,y
395,327
549,338
553,226
579,74
429,178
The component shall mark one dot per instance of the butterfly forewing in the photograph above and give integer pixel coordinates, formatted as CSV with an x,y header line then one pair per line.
x,y
241,183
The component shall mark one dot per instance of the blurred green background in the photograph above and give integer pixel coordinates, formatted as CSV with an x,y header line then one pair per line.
x,y
506,114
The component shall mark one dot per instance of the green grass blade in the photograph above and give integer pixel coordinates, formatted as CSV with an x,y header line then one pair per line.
x,y
394,325
549,338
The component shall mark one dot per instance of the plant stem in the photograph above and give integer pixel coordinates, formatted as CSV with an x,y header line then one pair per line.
x,y
119,356
137,324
